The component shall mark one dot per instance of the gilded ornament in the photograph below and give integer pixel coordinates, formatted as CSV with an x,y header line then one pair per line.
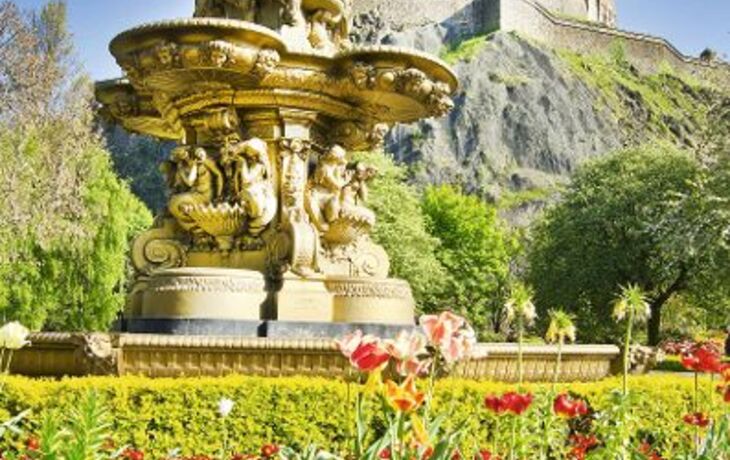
x,y
265,99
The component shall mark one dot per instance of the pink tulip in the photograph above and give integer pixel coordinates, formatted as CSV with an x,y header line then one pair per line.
x,y
440,328
406,349
459,345
450,334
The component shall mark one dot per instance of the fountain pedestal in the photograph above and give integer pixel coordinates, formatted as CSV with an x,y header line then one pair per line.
x,y
267,229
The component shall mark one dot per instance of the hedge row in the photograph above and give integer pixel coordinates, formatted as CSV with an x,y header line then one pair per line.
x,y
165,414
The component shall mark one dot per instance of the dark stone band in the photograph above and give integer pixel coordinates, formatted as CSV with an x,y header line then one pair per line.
x,y
270,329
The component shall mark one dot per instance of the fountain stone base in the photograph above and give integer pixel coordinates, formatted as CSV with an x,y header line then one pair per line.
x,y
232,302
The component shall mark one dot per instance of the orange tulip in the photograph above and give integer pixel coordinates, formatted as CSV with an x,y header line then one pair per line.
x,y
404,397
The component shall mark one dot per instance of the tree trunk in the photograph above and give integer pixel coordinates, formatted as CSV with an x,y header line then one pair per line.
x,y
654,326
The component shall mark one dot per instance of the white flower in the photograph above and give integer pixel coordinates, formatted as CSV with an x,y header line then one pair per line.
x,y
13,336
225,406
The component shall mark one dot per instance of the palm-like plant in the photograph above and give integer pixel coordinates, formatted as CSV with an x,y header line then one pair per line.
x,y
561,328
520,310
632,307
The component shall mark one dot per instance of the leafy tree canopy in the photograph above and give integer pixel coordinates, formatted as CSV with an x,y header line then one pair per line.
x,y
67,219
617,224
475,252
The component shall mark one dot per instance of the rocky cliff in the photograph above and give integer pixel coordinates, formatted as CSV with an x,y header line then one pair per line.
x,y
527,115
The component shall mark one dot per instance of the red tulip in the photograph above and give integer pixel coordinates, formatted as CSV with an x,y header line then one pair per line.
x,y
426,455
517,403
269,450
32,444
370,356
485,455
133,454
365,352
384,454
703,359
697,419
509,402
648,451
495,404
581,445
725,372
569,408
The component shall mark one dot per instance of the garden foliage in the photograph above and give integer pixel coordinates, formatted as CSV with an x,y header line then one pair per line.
x,y
160,415
612,228
66,219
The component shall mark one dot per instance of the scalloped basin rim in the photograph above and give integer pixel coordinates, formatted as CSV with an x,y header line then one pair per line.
x,y
423,61
227,29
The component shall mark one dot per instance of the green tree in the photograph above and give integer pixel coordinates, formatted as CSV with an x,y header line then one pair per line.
x,y
475,251
615,226
401,229
67,219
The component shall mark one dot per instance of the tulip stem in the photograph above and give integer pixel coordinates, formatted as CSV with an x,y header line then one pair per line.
x,y
496,436
431,386
6,356
556,376
696,409
513,442
696,400
520,364
627,347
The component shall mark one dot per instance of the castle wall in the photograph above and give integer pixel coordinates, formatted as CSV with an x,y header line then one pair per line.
x,y
536,19
647,53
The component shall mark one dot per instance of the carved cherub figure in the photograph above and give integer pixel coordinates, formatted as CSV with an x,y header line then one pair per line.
x,y
355,193
324,197
324,30
251,175
194,180
291,12
244,10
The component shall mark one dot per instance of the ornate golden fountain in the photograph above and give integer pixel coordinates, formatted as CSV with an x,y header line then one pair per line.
x,y
266,232
264,247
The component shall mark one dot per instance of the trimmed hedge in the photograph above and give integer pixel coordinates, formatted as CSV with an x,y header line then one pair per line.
x,y
164,414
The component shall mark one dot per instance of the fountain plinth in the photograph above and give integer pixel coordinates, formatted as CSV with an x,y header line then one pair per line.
x,y
267,229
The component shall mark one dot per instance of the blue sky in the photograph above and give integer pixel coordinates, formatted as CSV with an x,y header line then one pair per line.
x,y
691,25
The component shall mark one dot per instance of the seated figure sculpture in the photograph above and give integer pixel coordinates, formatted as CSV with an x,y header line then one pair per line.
x,y
355,193
336,195
249,169
325,188
195,180
327,31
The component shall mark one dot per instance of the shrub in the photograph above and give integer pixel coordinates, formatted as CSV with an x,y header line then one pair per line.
x,y
164,414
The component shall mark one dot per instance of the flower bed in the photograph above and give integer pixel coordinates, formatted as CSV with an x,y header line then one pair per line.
x,y
159,415
392,407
